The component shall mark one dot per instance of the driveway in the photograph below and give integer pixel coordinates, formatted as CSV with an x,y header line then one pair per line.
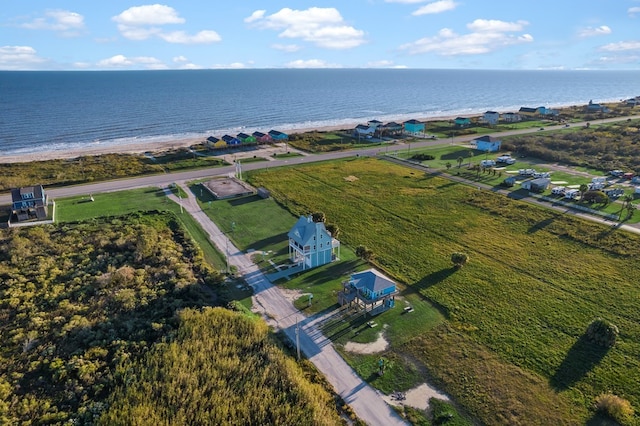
x,y
367,403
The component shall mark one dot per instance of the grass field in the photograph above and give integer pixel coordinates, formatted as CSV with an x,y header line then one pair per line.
x,y
511,350
80,208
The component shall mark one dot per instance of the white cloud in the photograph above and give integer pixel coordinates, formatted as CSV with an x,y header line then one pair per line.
x,y
436,7
19,58
233,65
597,31
183,38
310,63
144,22
323,27
405,1
180,59
486,36
255,16
379,64
286,47
633,11
63,21
121,61
621,46
154,14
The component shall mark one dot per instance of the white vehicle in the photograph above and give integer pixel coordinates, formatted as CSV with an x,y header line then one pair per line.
x,y
558,190
506,158
487,163
573,194
526,172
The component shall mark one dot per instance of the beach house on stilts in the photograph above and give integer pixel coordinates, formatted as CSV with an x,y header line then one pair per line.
x,y
311,245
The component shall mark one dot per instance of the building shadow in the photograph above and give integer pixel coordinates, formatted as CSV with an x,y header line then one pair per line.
x,y
583,356
540,225
433,278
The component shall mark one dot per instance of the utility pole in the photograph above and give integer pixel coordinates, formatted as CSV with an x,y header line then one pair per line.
x,y
298,338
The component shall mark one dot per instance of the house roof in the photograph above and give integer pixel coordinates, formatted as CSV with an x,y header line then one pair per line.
x,y
276,133
413,121
487,138
371,280
36,190
212,139
527,109
392,125
305,229
491,112
259,134
362,127
243,136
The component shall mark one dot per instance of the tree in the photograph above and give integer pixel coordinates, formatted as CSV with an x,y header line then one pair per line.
x,y
333,229
602,333
318,217
583,188
459,259
460,160
470,155
448,165
364,253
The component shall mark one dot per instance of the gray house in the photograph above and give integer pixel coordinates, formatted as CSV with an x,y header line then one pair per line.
x,y
29,202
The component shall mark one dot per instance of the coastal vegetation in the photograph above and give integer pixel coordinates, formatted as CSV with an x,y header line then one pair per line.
x,y
512,349
97,311
86,169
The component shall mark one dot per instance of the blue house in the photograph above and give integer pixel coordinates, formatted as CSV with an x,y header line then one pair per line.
x,y
230,140
278,136
369,288
311,245
29,202
413,127
491,117
487,143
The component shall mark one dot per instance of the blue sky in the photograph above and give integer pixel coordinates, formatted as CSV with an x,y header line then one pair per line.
x,y
468,34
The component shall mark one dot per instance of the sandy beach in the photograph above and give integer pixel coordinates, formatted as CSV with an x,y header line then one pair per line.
x,y
153,146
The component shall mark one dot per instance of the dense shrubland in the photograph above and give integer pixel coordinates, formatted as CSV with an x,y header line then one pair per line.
x,y
221,368
76,301
605,147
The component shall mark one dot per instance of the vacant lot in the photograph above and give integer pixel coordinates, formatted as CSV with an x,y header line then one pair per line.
x,y
511,351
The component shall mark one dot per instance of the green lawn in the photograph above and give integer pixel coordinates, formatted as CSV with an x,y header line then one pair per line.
x,y
80,208
535,280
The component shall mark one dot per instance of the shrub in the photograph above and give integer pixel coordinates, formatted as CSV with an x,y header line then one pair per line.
x,y
459,259
602,333
422,157
615,407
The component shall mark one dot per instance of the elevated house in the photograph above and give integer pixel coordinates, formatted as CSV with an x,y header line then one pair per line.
x,y
246,139
29,202
374,123
528,112
364,131
391,128
414,127
262,137
487,143
462,122
369,289
511,117
230,140
311,245
491,117
278,136
211,141
593,107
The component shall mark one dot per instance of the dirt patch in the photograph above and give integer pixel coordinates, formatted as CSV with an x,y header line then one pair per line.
x,y
417,397
350,178
379,345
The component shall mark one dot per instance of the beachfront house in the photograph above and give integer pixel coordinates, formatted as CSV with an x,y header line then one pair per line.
x,y
528,112
262,137
369,289
591,107
487,143
462,122
391,128
364,131
374,123
278,136
491,117
414,127
311,245
29,202
230,140
211,141
511,117
246,139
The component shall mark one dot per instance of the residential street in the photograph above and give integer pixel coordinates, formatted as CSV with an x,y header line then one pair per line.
x,y
275,308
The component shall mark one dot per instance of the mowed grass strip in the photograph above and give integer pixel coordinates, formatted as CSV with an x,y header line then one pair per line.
x,y
535,280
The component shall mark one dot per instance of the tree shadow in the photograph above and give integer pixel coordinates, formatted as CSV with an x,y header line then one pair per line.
x,y
600,419
540,225
583,356
433,278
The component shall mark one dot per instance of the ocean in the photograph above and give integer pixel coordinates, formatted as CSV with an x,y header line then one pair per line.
x,y
61,110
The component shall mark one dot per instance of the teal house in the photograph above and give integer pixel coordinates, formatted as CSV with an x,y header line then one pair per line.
x,y
311,245
413,127
370,289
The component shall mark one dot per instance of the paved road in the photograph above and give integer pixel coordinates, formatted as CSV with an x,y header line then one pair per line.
x,y
276,308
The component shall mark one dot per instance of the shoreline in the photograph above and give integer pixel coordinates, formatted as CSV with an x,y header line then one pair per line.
x,y
176,143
